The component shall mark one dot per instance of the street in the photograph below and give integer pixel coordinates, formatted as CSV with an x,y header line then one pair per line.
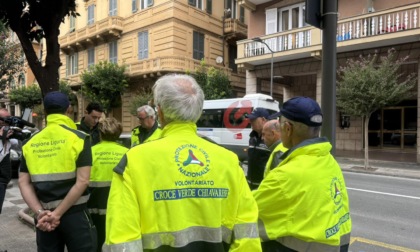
x,y
385,212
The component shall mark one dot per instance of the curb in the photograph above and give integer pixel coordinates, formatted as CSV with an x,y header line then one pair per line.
x,y
25,217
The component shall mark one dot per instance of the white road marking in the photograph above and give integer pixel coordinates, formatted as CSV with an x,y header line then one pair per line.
x,y
383,193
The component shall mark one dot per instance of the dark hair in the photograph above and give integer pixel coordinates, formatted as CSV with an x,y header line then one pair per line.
x,y
94,106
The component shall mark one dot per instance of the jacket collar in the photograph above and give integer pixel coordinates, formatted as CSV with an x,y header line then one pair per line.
x,y
59,119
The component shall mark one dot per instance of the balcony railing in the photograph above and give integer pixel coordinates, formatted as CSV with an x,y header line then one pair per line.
x,y
165,64
111,26
378,24
236,27
366,25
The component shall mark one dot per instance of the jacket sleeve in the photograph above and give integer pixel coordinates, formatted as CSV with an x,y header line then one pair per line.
x,y
123,230
245,230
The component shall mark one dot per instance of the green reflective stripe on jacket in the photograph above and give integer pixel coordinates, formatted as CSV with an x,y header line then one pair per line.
x,y
136,245
52,177
99,184
54,204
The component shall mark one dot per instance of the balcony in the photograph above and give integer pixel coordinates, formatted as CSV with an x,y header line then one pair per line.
x,y
161,65
235,29
98,32
372,30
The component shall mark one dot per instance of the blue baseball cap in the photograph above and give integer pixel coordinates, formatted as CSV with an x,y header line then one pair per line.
x,y
304,110
258,112
56,101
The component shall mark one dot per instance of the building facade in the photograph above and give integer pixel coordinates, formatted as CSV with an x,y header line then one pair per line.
x,y
364,27
152,38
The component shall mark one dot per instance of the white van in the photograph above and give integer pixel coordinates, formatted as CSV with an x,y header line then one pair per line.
x,y
224,121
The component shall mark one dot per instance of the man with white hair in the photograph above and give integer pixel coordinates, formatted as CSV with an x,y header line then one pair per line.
x,y
180,192
148,128
303,203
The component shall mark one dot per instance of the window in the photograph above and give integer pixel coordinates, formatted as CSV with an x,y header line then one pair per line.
x,y
290,17
196,3
91,14
145,3
133,5
12,84
231,5
242,14
198,45
72,62
209,6
91,56
113,52
72,23
112,7
143,51
21,80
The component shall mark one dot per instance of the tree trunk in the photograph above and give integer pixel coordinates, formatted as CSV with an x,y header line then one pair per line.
x,y
366,124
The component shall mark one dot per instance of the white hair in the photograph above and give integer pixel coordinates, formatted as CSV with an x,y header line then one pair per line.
x,y
147,109
179,97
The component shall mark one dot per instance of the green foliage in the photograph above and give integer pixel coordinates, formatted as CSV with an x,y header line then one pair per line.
x,y
33,20
143,97
215,83
365,85
26,97
104,82
11,63
65,88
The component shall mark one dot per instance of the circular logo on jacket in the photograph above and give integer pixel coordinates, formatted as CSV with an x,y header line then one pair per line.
x,y
335,190
191,160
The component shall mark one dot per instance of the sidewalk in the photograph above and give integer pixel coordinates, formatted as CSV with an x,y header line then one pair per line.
x,y
17,235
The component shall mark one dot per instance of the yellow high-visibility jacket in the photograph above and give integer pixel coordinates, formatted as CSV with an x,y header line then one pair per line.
x,y
105,156
274,158
303,203
52,156
180,192
154,134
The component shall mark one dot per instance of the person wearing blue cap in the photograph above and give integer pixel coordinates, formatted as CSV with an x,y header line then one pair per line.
x,y
303,202
258,152
53,180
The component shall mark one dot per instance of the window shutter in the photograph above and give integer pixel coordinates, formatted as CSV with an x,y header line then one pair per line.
x,y
146,45
149,3
68,65
271,21
242,14
133,5
192,2
209,7
76,62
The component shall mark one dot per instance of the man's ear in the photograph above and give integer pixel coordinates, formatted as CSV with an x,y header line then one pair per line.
x,y
161,116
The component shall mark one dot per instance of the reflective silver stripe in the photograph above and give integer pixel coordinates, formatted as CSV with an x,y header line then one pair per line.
x,y
245,230
134,246
97,211
54,204
345,239
53,176
299,245
184,237
262,231
100,183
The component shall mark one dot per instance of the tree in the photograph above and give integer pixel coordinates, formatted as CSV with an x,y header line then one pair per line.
x,y
26,97
215,83
370,83
11,63
33,20
105,82
31,96
143,97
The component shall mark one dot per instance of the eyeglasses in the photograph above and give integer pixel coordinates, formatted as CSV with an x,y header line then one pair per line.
x,y
142,118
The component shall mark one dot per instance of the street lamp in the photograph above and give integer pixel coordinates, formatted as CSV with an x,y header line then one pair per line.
x,y
272,54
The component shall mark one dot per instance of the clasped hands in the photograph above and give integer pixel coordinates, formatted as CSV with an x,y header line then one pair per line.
x,y
47,221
